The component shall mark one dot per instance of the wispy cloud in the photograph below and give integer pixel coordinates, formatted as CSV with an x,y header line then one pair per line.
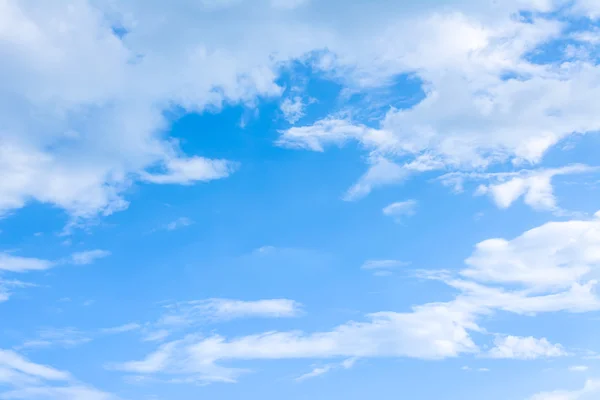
x,y
11,263
122,328
88,256
383,267
57,337
400,210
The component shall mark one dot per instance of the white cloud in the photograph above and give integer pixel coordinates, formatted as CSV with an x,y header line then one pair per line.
x,y
99,100
401,209
179,223
190,170
556,254
23,379
381,172
472,116
319,371
507,187
589,391
7,285
89,256
13,361
432,331
383,267
190,312
12,263
525,348
156,336
429,331
122,328
63,337
58,393
292,109
578,368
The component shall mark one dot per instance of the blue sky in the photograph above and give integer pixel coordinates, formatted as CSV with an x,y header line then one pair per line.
x,y
299,199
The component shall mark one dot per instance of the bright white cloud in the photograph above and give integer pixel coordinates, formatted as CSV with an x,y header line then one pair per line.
x,y
89,256
556,254
430,331
525,348
191,170
99,98
400,210
507,187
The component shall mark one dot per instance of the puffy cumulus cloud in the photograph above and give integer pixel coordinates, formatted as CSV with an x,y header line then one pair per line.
x,y
23,379
85,86
552,266
485,101
535,186
589,391
525,348
554,255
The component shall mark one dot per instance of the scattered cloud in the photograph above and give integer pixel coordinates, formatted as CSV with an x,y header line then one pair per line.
x,y
318,371
122,328
190,170
27,380
179,223
292,109
191,312
88,256
507,187
11,263
553,255
591,387
525,348
383,267
63,337
429,331
400,210
578,368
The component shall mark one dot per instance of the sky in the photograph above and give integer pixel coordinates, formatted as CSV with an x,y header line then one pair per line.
x,y
299,199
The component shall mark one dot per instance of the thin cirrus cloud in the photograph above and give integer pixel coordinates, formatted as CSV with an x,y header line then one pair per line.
x,y
383,267
24,379
400,210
